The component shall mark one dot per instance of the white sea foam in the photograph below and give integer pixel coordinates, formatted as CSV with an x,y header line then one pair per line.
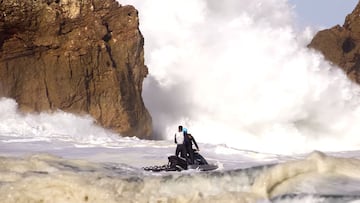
x,y
59,126
45,178
238,73
317,174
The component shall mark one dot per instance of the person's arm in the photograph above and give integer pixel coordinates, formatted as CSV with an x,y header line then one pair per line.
x,y
186,139
175,139
197,147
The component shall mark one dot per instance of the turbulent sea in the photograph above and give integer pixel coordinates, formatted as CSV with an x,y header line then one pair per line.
x,y
65,158
281,123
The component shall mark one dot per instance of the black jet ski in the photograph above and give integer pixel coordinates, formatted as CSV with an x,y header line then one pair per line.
x,y
179,164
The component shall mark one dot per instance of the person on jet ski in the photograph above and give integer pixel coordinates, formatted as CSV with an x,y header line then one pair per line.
x,y
188,145
179,141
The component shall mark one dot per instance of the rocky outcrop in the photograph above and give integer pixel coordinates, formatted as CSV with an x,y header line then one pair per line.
x,y
80,56
341,44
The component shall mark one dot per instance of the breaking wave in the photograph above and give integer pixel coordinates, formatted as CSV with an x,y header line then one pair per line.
x,y
238,73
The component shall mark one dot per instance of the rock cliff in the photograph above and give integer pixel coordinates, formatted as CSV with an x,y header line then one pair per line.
x,y
341,44
79,56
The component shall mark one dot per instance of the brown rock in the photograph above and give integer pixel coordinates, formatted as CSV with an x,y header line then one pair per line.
x,y
341,44
78,56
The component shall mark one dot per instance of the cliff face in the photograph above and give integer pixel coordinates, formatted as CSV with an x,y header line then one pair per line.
x,y
78,56
341,44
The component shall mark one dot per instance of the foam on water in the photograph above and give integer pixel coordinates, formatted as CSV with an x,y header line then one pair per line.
x,y
238,73
77,130
46,126
45,178
115,175
311,175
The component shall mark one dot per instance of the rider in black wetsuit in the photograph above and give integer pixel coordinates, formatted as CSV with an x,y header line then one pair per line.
x,y
188,145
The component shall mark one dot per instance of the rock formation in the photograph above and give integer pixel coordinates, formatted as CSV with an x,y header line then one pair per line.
x,y
341,44
77,56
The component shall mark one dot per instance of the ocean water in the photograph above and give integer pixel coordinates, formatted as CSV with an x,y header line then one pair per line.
x,y
280,122
61,157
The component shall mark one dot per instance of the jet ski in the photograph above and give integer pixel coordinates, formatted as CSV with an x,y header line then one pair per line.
x,y
179,164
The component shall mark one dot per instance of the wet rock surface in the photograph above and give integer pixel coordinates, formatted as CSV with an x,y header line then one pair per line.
x,y
83,57
341,44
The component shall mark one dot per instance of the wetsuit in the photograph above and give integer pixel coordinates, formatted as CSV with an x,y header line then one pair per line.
x,y
180,147
188,145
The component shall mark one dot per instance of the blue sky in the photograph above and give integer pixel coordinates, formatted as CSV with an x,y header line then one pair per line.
x,y
322,13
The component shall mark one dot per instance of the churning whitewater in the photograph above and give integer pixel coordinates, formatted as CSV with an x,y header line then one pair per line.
x,y
259,102
246,77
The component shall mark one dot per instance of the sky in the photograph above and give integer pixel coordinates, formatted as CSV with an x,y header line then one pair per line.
x,y
322,13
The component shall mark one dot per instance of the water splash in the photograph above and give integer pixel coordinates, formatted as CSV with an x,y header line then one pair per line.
x,y
237,73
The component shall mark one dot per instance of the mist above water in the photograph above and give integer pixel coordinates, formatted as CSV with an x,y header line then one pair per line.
x,y
238,73
60,126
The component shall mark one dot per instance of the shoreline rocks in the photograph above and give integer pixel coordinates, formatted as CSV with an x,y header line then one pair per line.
x,y
83,57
